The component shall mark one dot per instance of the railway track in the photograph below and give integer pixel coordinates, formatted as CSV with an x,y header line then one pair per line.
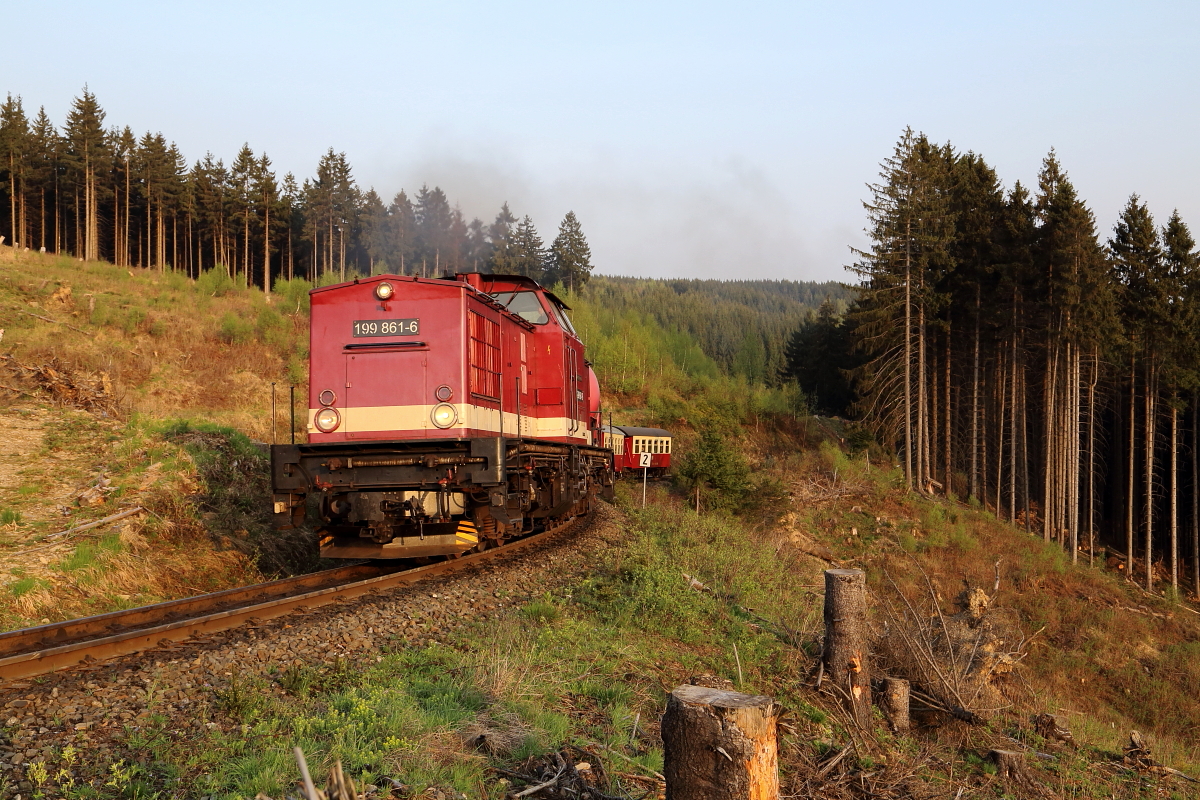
x,y
35,651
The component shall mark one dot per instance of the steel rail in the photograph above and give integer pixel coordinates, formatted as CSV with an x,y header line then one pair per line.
x,y
35,651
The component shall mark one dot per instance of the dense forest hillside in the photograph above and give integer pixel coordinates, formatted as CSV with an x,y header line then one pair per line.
x,y
743,325
1011,353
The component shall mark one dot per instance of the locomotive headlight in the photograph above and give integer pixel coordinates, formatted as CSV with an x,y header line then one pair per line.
x,y
327,420
384,291
444,415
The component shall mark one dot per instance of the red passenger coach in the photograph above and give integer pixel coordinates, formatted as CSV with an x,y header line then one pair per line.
x,y
444,415
644,449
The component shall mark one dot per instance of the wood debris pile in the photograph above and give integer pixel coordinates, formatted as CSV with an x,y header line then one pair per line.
x,y
959,664
1138,758
569,773
62,384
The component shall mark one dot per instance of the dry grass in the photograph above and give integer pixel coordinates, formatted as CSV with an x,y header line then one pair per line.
x,y
94,359
168,348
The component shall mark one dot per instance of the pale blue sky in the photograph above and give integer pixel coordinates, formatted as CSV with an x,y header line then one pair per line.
x,y
692,139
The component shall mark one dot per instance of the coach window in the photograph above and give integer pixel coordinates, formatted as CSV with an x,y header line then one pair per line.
x,y
525,305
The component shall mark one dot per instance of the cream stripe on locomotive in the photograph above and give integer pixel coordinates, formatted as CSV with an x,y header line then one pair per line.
x,y
365,419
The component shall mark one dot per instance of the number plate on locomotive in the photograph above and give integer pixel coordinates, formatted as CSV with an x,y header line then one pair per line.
x,y
387,327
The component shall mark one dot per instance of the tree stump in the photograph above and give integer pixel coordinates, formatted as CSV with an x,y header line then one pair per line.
x,y
846,639
1010,767
720,744
895,703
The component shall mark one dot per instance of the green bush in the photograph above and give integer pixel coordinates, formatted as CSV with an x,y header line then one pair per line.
x,y
235,329
215,282
293,294
272,328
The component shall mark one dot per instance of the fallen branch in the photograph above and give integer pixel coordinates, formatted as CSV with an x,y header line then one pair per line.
x,y
111,518
48,319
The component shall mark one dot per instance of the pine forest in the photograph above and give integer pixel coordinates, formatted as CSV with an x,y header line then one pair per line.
x,y
1014,356
105,193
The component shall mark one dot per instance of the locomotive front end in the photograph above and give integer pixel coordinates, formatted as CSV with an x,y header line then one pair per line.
x,y
418,441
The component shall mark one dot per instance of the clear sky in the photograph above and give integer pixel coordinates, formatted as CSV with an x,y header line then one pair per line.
x,y
691,139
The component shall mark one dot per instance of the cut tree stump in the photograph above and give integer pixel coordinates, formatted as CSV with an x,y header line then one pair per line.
x,y
846,639
895,703
1010,767
720,744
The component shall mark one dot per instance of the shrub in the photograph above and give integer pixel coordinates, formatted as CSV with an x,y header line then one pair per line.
x,y
293,294
235,329
215,282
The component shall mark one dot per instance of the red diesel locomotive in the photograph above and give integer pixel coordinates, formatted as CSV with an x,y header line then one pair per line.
x,y
444,415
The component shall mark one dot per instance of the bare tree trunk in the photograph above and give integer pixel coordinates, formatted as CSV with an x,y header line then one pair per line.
x,y
1025,448
266,245
1129,489
1174,497
1012,437
1091,449
973,489
1149,455
1003,384
1196,495
908,356
127,254
947,425
923,461
1048,520
1076,415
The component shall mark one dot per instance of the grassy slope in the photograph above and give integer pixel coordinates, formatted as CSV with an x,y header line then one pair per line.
x,y
583,665
93,400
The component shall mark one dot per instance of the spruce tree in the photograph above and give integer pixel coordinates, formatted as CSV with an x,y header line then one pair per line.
x,y
14,147
911,231
570,256
1138,263
502,235
85,153
530,258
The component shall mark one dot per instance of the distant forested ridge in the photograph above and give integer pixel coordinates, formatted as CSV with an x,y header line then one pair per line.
x,y
98,192
1010,354
742,325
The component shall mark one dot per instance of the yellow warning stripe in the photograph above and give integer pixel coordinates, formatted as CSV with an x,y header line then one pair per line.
x,y
467,532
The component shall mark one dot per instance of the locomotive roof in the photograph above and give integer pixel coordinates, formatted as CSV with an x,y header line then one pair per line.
x,y
628,431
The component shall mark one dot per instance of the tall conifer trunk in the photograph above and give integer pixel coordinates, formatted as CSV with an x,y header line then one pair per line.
x,y
908,357
1012,436
1149,467
1196,495
947,419
1130,499
1174,497
973,489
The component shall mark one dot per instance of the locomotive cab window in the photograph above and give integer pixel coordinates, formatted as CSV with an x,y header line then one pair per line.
x,y
560,314
524,304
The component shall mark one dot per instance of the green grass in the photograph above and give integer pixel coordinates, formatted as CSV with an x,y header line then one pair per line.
x,y
26,585
8,516
86,554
